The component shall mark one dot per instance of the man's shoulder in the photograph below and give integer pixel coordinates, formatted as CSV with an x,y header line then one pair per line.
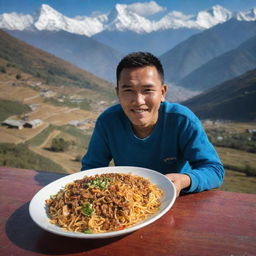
x,y
179,111
111,112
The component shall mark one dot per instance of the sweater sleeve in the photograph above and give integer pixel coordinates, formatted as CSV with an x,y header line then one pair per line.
x,y
206,171
98,154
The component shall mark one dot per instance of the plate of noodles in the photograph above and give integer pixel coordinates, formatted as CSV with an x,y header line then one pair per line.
x,y
102,202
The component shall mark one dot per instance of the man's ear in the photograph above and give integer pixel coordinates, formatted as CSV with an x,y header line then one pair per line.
x,y
117,91
164,91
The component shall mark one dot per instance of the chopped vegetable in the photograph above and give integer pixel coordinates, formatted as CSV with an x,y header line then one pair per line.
x,y
88,231
100,183
87,210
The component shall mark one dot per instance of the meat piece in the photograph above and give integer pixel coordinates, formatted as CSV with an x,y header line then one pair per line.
x,y
65,210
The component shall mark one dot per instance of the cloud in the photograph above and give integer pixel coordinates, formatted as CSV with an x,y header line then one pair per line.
x,y
145,9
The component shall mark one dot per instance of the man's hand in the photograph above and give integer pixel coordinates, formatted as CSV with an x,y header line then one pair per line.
x,y
180,181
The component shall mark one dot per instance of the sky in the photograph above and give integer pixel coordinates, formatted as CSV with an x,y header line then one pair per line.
x,y
72,8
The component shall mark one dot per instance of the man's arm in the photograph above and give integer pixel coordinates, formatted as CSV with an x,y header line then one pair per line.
x,y
98,153
206,171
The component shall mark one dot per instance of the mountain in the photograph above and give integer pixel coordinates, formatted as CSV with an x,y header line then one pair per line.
x,y
49,68
135,33
202,47
222,68
46,18
246,15
231,100
83,40
82,51
155,42
121,18
124,27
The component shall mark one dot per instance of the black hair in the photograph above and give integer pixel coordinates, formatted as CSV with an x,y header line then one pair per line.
x,y
137,60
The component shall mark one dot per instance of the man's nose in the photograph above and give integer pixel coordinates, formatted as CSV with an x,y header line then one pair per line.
x,y
139,98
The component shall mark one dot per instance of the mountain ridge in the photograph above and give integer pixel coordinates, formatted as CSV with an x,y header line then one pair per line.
x,y
200,48
121,18
232,100
82,51
47,67
225,67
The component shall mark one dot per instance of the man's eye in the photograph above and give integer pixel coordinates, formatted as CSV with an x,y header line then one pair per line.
x,y
149,90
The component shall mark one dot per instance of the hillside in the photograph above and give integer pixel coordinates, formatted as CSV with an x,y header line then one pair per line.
x,y
232,100
10,107
202,47
222,68
80,50
67,100
49,68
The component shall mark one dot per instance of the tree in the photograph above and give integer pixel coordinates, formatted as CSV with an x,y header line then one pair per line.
x,y
18,76
59,145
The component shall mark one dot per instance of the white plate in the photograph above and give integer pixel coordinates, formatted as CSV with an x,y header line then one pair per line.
x,y
37,208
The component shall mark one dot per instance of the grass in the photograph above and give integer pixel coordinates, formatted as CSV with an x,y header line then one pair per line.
x,y
239,182
238,160
84,104
9,108
69,159
20,156
41,137
82,139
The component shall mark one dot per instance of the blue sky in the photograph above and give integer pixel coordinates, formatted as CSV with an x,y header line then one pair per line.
x,y
72,8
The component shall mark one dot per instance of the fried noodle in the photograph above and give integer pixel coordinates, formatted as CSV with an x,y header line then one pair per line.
x,y
104,203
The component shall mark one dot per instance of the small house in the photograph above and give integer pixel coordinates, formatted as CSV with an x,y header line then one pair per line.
x,y
16,124
33,123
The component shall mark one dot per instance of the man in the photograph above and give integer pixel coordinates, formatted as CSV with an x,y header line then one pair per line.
x,y
145,130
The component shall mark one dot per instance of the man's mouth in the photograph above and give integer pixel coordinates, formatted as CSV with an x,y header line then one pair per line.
x,y
139,110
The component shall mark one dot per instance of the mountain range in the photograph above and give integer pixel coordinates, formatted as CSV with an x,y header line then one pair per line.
x,y
232,100
224,67
199,50
202,47
82,51
134,28
50,69
121,18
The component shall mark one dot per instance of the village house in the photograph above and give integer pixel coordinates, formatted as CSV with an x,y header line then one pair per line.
x,y
34,106
19,124
33,123
16,124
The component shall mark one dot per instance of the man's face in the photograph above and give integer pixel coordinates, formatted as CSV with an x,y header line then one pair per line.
x,y
140,93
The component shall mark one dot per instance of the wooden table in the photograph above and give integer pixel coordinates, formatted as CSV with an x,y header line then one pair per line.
x,y
208,223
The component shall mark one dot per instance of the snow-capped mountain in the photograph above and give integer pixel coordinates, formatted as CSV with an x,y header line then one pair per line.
x,y
51,20
46,18
211,17
14,21
247,15
121,18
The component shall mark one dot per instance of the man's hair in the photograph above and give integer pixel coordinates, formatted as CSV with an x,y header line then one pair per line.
x,y
139,60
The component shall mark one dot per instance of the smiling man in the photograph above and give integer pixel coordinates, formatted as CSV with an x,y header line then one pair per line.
x,y
147,131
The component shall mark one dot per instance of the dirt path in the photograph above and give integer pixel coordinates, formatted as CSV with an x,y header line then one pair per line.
x,y
61,158
52,135
32,97
65,160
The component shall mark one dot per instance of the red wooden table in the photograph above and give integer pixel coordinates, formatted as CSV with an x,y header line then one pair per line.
x,y
206,223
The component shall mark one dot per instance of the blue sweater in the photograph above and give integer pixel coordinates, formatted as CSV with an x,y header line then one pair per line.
x,y
177,144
